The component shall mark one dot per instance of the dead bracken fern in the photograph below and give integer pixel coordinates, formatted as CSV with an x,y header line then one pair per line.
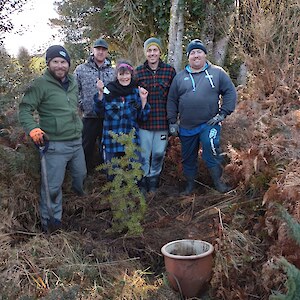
x,y
266,122
234,252
267,33
284,191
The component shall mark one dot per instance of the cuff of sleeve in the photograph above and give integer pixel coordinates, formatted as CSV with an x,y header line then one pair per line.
x,y
223,112
172,121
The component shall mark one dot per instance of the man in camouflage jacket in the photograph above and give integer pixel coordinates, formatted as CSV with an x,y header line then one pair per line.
x,y
87,74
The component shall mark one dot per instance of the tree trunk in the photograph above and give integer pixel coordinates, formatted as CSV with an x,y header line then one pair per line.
x,y
175,35
221,46
220,50
208,31
242,76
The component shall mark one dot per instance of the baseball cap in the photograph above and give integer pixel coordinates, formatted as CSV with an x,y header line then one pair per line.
x,y
100,43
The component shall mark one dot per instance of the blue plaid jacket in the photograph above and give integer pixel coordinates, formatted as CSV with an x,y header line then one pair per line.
x,y
120,115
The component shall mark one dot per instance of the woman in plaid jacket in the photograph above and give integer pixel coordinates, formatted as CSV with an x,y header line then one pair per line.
x,y
122,104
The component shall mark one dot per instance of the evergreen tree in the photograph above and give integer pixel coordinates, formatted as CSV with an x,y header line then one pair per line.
x,y
126,200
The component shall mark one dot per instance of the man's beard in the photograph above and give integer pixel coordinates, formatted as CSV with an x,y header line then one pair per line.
x,y
58,78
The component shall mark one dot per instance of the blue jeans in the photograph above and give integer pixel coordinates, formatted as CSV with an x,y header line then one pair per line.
x,y
153,144
209,137
59,156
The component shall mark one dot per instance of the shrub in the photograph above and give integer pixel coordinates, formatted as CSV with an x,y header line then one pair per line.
x,y
126,201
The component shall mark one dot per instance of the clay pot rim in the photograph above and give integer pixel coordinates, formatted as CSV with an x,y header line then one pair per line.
x,y
197,256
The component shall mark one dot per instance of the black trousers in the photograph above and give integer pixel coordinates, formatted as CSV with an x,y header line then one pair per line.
x,y
92,133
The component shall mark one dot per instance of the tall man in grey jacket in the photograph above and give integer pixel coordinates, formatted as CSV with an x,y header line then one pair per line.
x,y
97,67
200,98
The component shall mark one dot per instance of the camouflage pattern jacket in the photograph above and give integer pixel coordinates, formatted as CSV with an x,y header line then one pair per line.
x,y
87,75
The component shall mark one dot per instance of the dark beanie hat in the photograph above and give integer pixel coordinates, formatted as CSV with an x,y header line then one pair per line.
x,y
57,51
195,44
152,41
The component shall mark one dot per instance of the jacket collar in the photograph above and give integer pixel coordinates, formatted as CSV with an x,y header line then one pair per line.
x,y
48,76
188,68
148,67
106,63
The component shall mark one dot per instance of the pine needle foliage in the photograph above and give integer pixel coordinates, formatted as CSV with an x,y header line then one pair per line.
x,y
292,283
11,162
127,203
127,28
293,273
293,225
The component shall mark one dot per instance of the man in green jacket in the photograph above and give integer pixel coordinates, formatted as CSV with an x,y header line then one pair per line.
x,y
54,96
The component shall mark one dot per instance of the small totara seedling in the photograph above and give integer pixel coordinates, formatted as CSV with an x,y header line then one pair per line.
x,y
127,203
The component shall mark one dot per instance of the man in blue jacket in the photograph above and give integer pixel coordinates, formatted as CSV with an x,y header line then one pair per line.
x,y
200,98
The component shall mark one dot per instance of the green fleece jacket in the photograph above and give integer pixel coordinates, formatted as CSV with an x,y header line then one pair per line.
x,y
57,108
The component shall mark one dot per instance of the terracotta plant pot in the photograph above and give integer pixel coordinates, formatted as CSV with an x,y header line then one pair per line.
x,y
189,265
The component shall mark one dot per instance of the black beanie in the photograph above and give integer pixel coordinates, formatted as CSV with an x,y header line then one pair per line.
x,y
57,51
195,44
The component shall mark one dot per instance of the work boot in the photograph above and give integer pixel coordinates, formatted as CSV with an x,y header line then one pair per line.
x,y
190,185
216,174
142,184
53,225
152,183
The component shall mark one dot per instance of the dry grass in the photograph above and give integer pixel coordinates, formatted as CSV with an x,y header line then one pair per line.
x,y
235,250
58,265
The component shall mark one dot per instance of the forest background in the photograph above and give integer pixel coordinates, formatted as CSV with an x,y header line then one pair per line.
x,y
257,237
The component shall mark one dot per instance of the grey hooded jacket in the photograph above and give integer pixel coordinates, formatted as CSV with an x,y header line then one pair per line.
x,y
87,75
197,97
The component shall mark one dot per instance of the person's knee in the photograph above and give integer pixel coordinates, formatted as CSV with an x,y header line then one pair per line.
x,y
80,174
54,191
159,156
159,153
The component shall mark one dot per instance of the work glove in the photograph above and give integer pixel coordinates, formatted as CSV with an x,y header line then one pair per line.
x,y
216,120
174,129
37,135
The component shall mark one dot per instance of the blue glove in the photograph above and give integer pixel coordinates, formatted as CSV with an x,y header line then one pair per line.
x,y
216,120
174,129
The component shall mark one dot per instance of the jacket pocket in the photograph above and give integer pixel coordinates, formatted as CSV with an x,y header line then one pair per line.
x,y
164,88
49,125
